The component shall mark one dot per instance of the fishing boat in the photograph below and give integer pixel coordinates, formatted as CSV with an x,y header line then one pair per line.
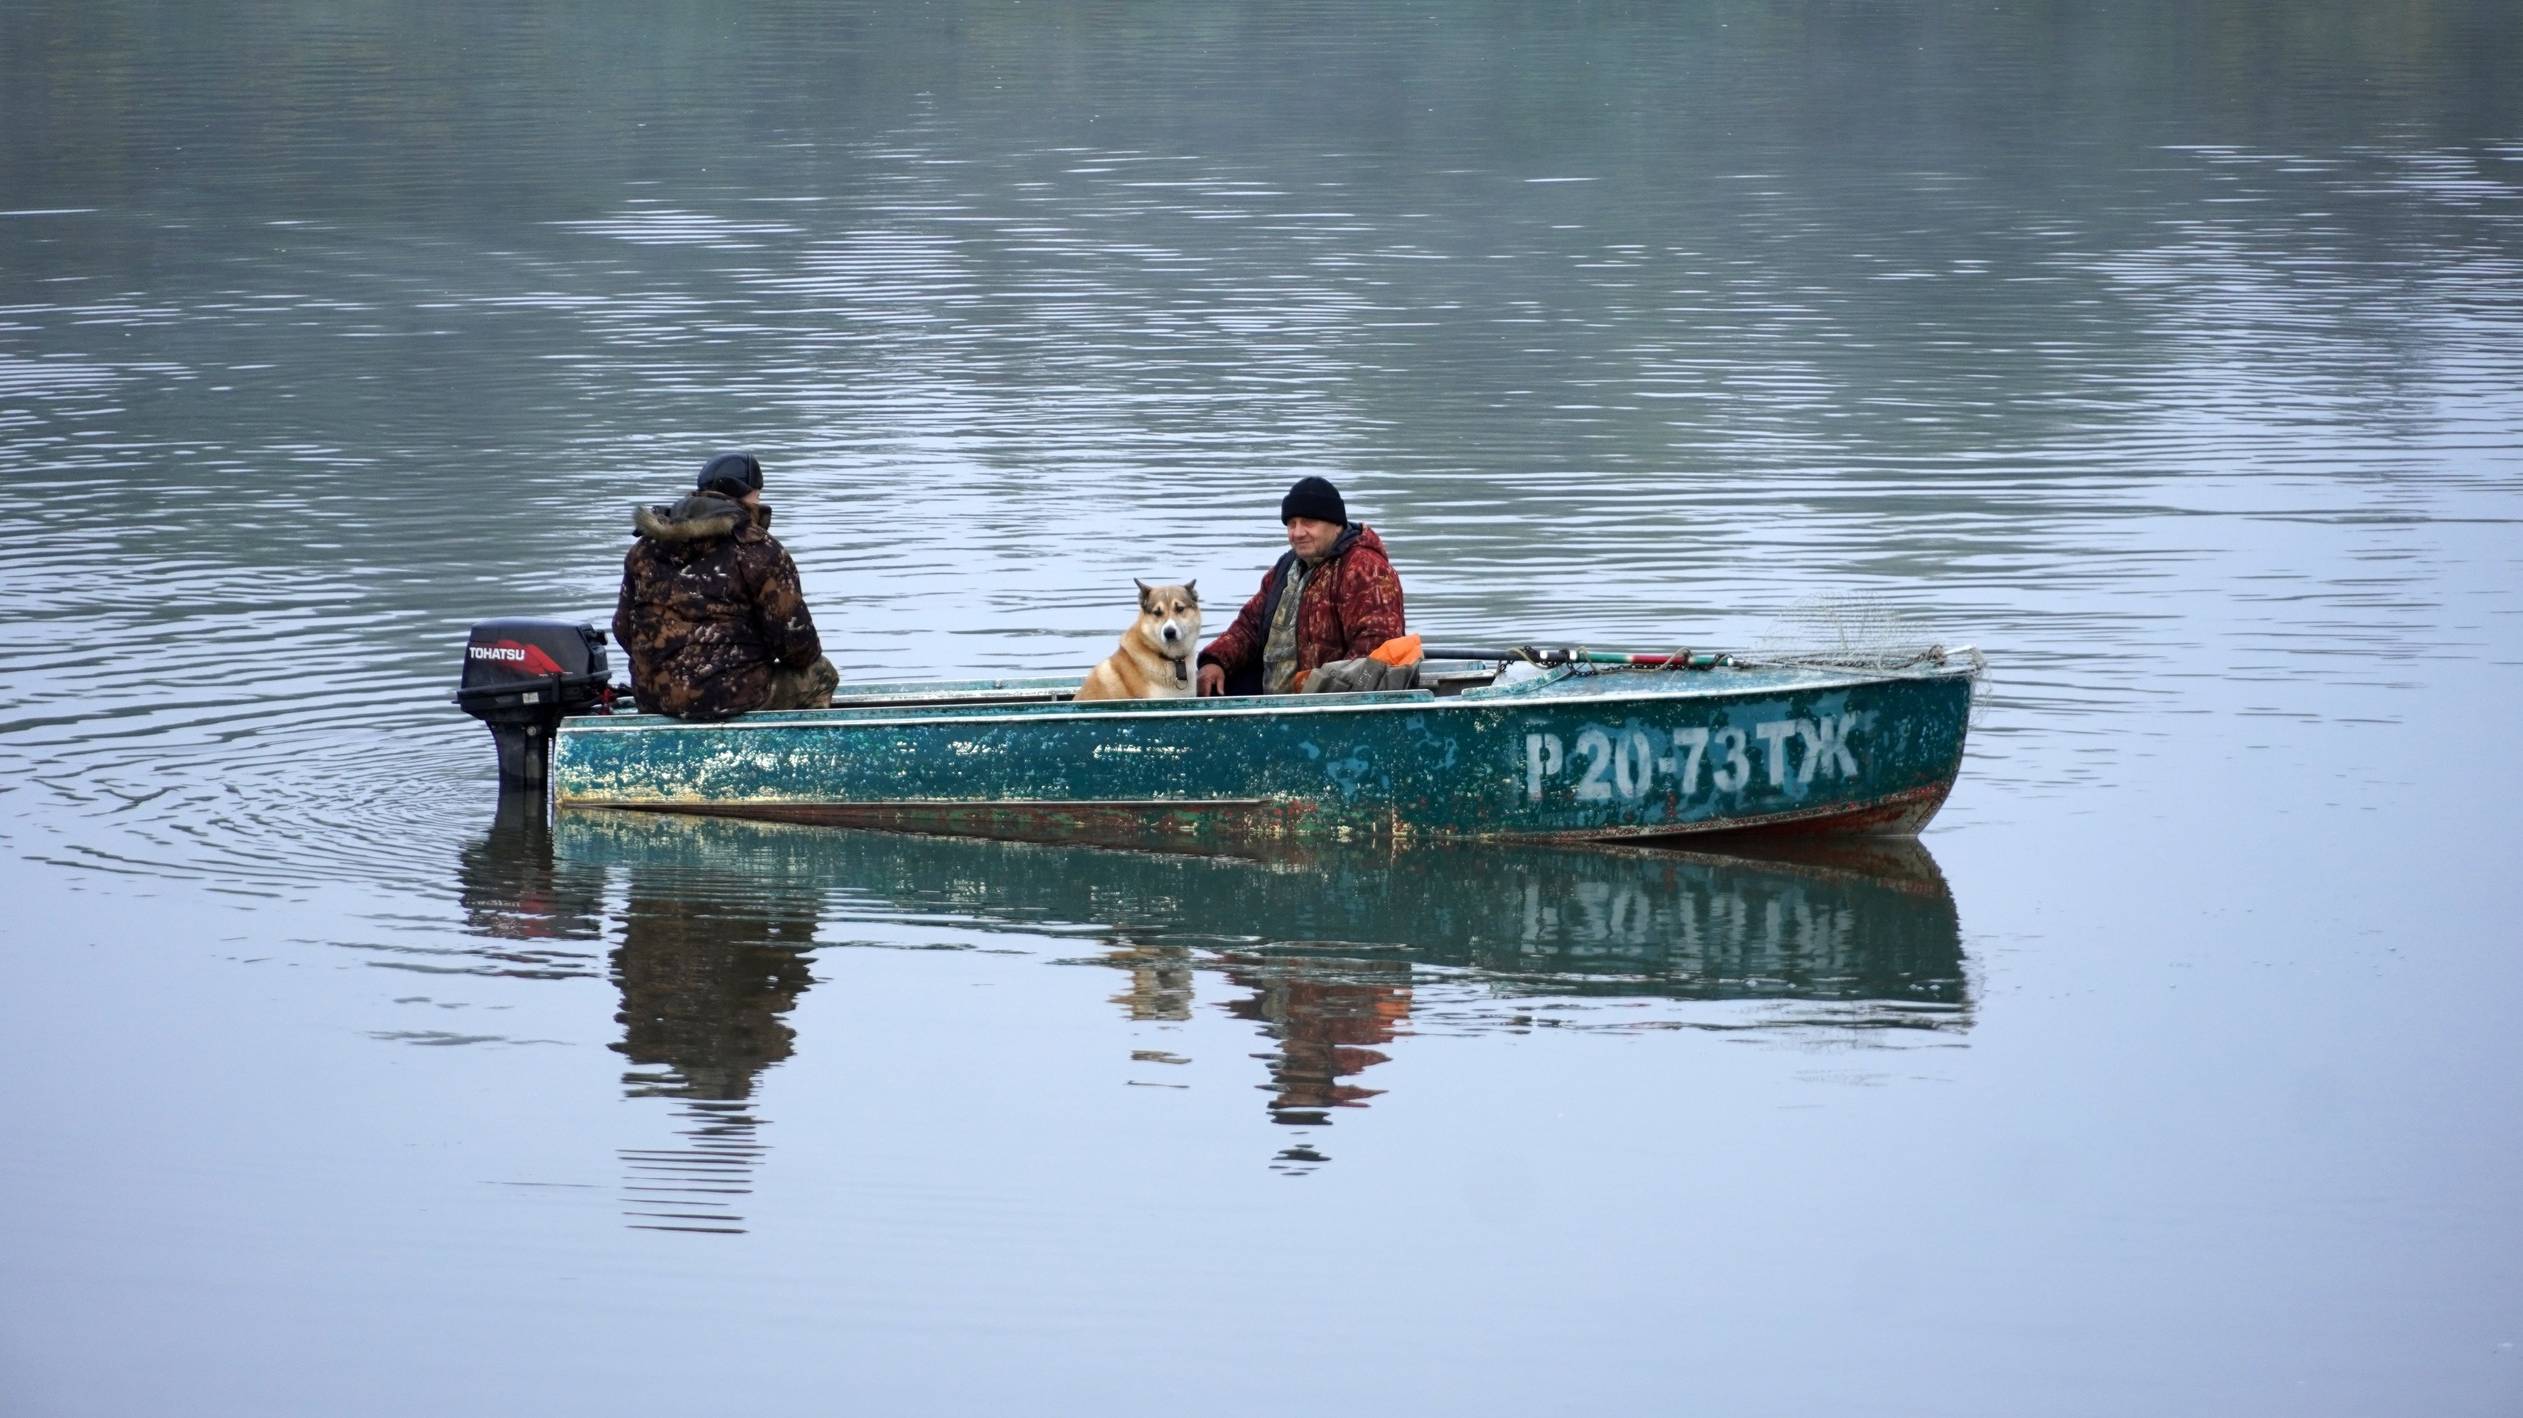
x,y
1570,745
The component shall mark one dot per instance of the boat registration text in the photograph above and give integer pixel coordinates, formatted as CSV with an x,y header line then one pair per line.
x,y
1629,763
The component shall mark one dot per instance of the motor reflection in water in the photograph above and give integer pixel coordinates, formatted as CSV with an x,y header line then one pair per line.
x,y
534,909
1334,955
708,967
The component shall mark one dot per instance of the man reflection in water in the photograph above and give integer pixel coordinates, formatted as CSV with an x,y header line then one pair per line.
x,y
1327,1016
704,989
705,984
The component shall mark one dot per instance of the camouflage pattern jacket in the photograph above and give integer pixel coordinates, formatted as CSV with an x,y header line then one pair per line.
x,y
709,604
1350,605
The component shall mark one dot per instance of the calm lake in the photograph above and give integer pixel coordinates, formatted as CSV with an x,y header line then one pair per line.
x,y
2169,353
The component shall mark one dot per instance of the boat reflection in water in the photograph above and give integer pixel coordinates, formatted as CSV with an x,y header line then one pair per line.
x,y
708,966
1330,954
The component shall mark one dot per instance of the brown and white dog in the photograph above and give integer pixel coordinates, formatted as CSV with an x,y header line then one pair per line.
x,y
1154,661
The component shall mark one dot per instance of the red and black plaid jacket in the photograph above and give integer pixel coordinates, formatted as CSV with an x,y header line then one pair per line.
x,y
1351,604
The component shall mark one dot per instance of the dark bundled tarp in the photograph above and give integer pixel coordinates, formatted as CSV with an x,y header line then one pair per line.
x,y
1360,676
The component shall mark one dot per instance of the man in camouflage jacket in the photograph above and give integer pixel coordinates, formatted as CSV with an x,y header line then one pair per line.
x,y
1348,601
711,613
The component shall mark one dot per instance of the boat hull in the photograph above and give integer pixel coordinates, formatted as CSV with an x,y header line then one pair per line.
x,y
1575,756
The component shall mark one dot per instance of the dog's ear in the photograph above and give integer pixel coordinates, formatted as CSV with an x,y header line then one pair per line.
x,y
1192,589
1143,592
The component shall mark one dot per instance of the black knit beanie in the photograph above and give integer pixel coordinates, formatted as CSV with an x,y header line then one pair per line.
x,y
734,474
1315,498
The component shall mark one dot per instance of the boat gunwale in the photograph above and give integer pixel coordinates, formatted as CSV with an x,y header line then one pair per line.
x,y
1243,706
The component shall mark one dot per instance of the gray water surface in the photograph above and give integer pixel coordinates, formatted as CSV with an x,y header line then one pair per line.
x,y
2172,354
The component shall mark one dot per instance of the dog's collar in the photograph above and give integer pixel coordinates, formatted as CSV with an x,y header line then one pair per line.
x,y
1182,670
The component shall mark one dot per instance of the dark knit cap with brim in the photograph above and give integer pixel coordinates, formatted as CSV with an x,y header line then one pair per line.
x,y
1315,498
734,474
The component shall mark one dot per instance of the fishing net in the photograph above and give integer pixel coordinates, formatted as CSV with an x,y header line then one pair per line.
x,y
1838,633
1854,633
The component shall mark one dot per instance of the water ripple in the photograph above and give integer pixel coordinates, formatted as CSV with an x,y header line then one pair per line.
x,y
2222,418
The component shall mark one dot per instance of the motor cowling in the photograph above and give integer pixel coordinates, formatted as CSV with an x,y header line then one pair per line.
x,y
522,677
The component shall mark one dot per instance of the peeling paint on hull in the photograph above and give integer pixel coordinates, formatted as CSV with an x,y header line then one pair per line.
x,y
1575,756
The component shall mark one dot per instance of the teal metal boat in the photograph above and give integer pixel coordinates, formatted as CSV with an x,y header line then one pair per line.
x,y
1579,752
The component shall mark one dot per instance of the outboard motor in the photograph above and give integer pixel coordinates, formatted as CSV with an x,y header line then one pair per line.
x,y
521,677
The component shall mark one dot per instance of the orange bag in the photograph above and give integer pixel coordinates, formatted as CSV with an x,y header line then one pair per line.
x,y
1399,651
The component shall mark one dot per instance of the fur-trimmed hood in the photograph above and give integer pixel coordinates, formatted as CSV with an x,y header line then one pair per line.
x,y
701,517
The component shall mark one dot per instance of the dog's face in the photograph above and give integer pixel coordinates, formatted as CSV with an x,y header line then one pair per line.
x,y
1169,616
